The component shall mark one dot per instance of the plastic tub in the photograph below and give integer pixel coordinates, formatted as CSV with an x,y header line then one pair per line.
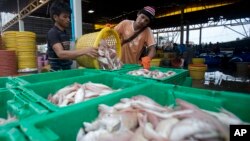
x,y
12,134
19,106
155,62
6,82
177,78
48,76
198,60
227,100
124,67
49,128
197,71
41,91
3,82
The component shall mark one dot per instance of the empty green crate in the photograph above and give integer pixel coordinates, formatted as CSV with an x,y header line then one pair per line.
x,y
177,79
65,124
43,77
40,91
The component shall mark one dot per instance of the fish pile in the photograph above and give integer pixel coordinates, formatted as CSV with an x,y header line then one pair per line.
x,y
142,119
79,92
107,57
9,119
156,74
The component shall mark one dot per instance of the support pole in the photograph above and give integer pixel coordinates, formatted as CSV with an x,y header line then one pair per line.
x,y
182,26
187,34
76,24
76,19
200,35
20,22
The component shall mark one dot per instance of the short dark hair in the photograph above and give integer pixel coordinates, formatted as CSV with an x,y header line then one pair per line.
x,y
58,7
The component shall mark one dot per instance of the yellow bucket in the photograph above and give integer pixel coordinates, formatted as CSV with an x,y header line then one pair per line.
x,y
93,40
198,60
155,62
197,71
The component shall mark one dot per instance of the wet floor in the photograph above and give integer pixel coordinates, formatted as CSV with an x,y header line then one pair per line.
x,y
224,86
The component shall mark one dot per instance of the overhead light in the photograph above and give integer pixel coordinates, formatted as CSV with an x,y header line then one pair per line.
x,y
42,1
91,11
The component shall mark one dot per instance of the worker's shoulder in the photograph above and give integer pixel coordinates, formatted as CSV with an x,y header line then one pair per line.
x,y
52,30
127,21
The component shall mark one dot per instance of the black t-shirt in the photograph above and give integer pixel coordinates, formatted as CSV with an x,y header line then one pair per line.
x,y
55,35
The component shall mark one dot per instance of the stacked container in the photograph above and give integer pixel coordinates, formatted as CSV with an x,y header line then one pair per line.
x,y
198,68
1,42
9,39
8,63
26,47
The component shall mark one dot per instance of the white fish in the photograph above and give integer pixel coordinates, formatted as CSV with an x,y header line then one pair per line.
x,y
165,126
79,97
225,117
188,127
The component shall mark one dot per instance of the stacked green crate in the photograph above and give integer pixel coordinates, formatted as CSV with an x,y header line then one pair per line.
x,y
43,77
177,78
64,124
40,91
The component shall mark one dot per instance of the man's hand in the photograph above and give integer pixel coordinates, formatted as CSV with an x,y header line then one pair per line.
x,y
91,51
146,62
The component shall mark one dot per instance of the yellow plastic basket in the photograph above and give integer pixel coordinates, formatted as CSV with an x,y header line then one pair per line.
x,y
93,40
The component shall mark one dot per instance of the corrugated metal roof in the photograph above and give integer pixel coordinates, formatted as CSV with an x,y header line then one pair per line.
x,y
111,11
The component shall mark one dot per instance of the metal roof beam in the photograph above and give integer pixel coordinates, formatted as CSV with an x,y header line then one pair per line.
x,y
30,8
198,7
223,22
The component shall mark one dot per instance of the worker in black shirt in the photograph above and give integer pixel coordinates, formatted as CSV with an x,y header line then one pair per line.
x,y
59,54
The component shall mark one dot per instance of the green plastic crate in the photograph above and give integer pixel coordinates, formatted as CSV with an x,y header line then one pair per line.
x,y
40,91
49,128
6,82
42,77
14,104
125,67
176,79
12,134
5,96
187,82
3,81
237,103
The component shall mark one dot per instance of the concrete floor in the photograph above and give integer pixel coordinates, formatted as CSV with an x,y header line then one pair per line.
x,y
238,87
